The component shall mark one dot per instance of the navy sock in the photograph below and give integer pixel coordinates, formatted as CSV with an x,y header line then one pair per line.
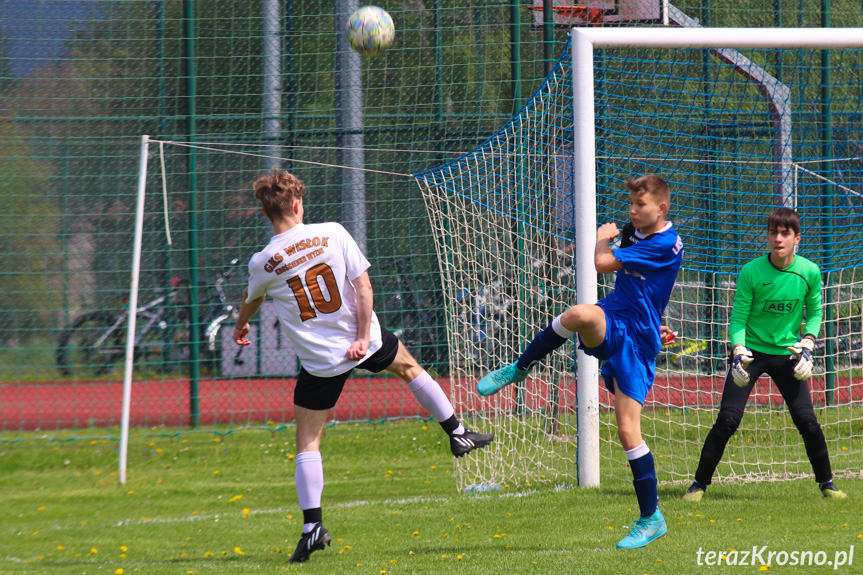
x,y
644,481
543,344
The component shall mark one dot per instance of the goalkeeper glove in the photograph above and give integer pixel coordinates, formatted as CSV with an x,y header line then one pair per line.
x,y
802,350
742,359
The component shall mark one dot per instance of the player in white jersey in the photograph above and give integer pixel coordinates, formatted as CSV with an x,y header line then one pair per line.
x,y
318,279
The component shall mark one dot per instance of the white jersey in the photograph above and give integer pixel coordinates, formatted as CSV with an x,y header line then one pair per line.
x,y
307,270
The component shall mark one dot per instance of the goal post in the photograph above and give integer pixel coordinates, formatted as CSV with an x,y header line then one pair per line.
x,y
129,357
583,43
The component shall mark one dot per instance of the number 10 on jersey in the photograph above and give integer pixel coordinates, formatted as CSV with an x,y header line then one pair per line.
x,y
317,301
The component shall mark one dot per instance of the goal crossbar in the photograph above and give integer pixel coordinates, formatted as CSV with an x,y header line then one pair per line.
x,y
583,43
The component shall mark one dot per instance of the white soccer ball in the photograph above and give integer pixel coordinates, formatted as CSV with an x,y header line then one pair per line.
x,y
370,30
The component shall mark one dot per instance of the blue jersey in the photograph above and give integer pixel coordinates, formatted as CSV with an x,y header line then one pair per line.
x,y
643,287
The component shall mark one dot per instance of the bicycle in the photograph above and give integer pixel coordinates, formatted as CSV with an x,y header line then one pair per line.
x,y
96,341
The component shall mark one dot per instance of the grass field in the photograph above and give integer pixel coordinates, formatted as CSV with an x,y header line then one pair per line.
x,y
208,504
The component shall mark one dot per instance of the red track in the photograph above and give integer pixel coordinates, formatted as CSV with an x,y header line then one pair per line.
x,y
165,403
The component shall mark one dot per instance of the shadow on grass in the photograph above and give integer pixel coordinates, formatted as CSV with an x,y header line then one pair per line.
x,y
666,492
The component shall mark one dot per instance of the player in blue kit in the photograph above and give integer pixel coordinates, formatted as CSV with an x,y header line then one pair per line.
x,y
624,330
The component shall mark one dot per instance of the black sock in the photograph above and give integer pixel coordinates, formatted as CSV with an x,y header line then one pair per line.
x,y
450,425
313,515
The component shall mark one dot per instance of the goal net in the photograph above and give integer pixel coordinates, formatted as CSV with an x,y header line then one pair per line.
x,y
735,133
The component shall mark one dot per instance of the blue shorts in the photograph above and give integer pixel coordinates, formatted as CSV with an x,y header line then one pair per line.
x,y
624,361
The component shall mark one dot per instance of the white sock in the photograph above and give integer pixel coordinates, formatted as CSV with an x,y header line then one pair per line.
x,y
430,395
558,328
310,479
308,527
637,452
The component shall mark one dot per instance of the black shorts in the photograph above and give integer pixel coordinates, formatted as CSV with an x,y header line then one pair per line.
x,y
318,393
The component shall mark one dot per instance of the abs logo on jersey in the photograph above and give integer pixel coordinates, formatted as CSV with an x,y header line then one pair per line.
x,y
780,306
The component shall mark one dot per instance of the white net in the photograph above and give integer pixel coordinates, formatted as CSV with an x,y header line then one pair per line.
x,y
502,216
503,220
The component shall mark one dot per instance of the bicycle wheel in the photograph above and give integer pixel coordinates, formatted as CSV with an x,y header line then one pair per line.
x,y
164,348
87,348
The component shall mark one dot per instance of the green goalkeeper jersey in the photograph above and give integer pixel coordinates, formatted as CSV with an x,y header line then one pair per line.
x,y
770,303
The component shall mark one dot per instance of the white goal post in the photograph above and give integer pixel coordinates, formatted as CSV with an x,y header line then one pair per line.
x,y
584,41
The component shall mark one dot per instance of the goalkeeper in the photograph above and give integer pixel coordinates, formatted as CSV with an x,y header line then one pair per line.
x,y
773,291
624,330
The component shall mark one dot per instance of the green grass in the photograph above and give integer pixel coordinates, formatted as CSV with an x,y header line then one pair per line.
x,y
390,502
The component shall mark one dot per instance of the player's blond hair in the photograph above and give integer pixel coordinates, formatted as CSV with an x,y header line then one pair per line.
x,y
652,185
277,192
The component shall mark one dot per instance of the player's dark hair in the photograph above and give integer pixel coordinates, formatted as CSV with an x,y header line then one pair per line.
x,y
784,218
650,184
277,192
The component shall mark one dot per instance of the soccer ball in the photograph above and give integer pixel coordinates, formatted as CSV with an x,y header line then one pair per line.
x,y
370,30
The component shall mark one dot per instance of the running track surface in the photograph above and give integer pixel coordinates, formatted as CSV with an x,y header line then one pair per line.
x,y
239,402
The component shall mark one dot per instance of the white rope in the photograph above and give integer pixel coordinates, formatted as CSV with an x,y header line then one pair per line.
x,y
201,147
679,160
325,148
165,192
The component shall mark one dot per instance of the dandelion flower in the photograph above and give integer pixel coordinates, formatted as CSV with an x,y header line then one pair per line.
x,y
119,571
238,551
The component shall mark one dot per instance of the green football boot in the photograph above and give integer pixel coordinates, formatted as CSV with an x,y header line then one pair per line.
x,y
645,530
498,379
